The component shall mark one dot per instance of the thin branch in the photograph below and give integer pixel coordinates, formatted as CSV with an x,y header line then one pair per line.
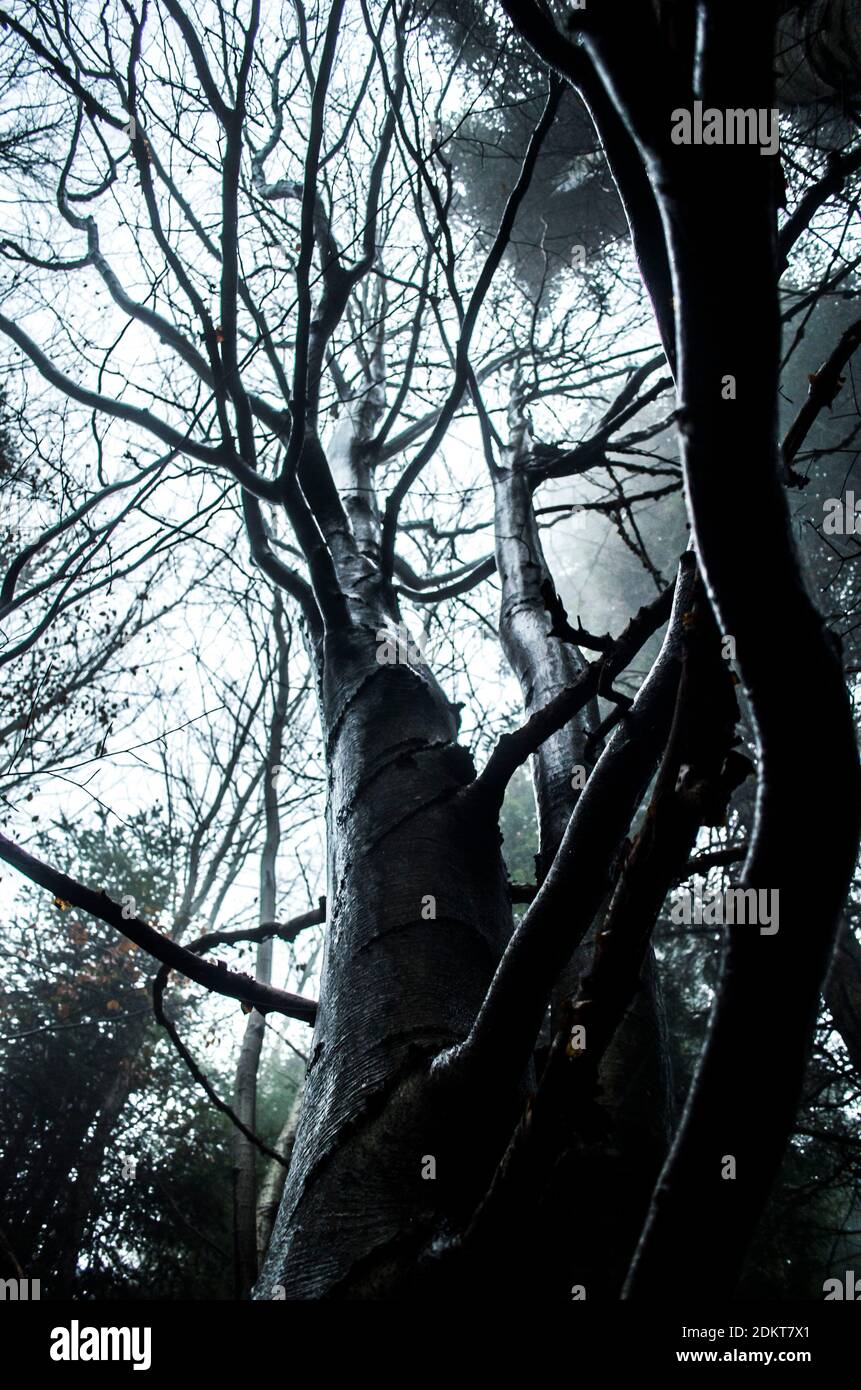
x,y
513,749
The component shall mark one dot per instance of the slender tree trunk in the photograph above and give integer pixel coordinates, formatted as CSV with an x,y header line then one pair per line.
x,y
275,1176
244,1155
543,665
245,1086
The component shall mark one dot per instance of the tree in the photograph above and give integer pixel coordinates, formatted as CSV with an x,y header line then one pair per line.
x,y
671,199
78,1042
334,357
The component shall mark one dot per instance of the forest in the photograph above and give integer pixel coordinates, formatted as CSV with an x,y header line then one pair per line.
x,y
429,787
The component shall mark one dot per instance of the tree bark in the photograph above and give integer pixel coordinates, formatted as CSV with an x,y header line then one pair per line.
x,y
746,1092
543,665
418,915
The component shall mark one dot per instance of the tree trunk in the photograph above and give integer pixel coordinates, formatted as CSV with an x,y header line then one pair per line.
x,y
272,1186
543,665
245,1087
244,1153
418,915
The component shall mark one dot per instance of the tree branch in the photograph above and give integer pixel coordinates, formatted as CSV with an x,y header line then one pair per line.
x,y
508,1021
513,749
214,977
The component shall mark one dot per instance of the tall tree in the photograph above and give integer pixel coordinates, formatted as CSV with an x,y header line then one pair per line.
x,y
317,345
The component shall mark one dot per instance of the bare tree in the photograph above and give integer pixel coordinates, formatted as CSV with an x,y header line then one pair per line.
x,y
337,362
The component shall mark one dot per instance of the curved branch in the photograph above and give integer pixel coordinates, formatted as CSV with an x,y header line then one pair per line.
x,y
824,387
475,574
24,556
745,1095
264,998
136,415
839,168
284,931
91,104
200,1077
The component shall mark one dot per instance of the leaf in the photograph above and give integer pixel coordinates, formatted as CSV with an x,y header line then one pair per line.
x,y
112,1005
